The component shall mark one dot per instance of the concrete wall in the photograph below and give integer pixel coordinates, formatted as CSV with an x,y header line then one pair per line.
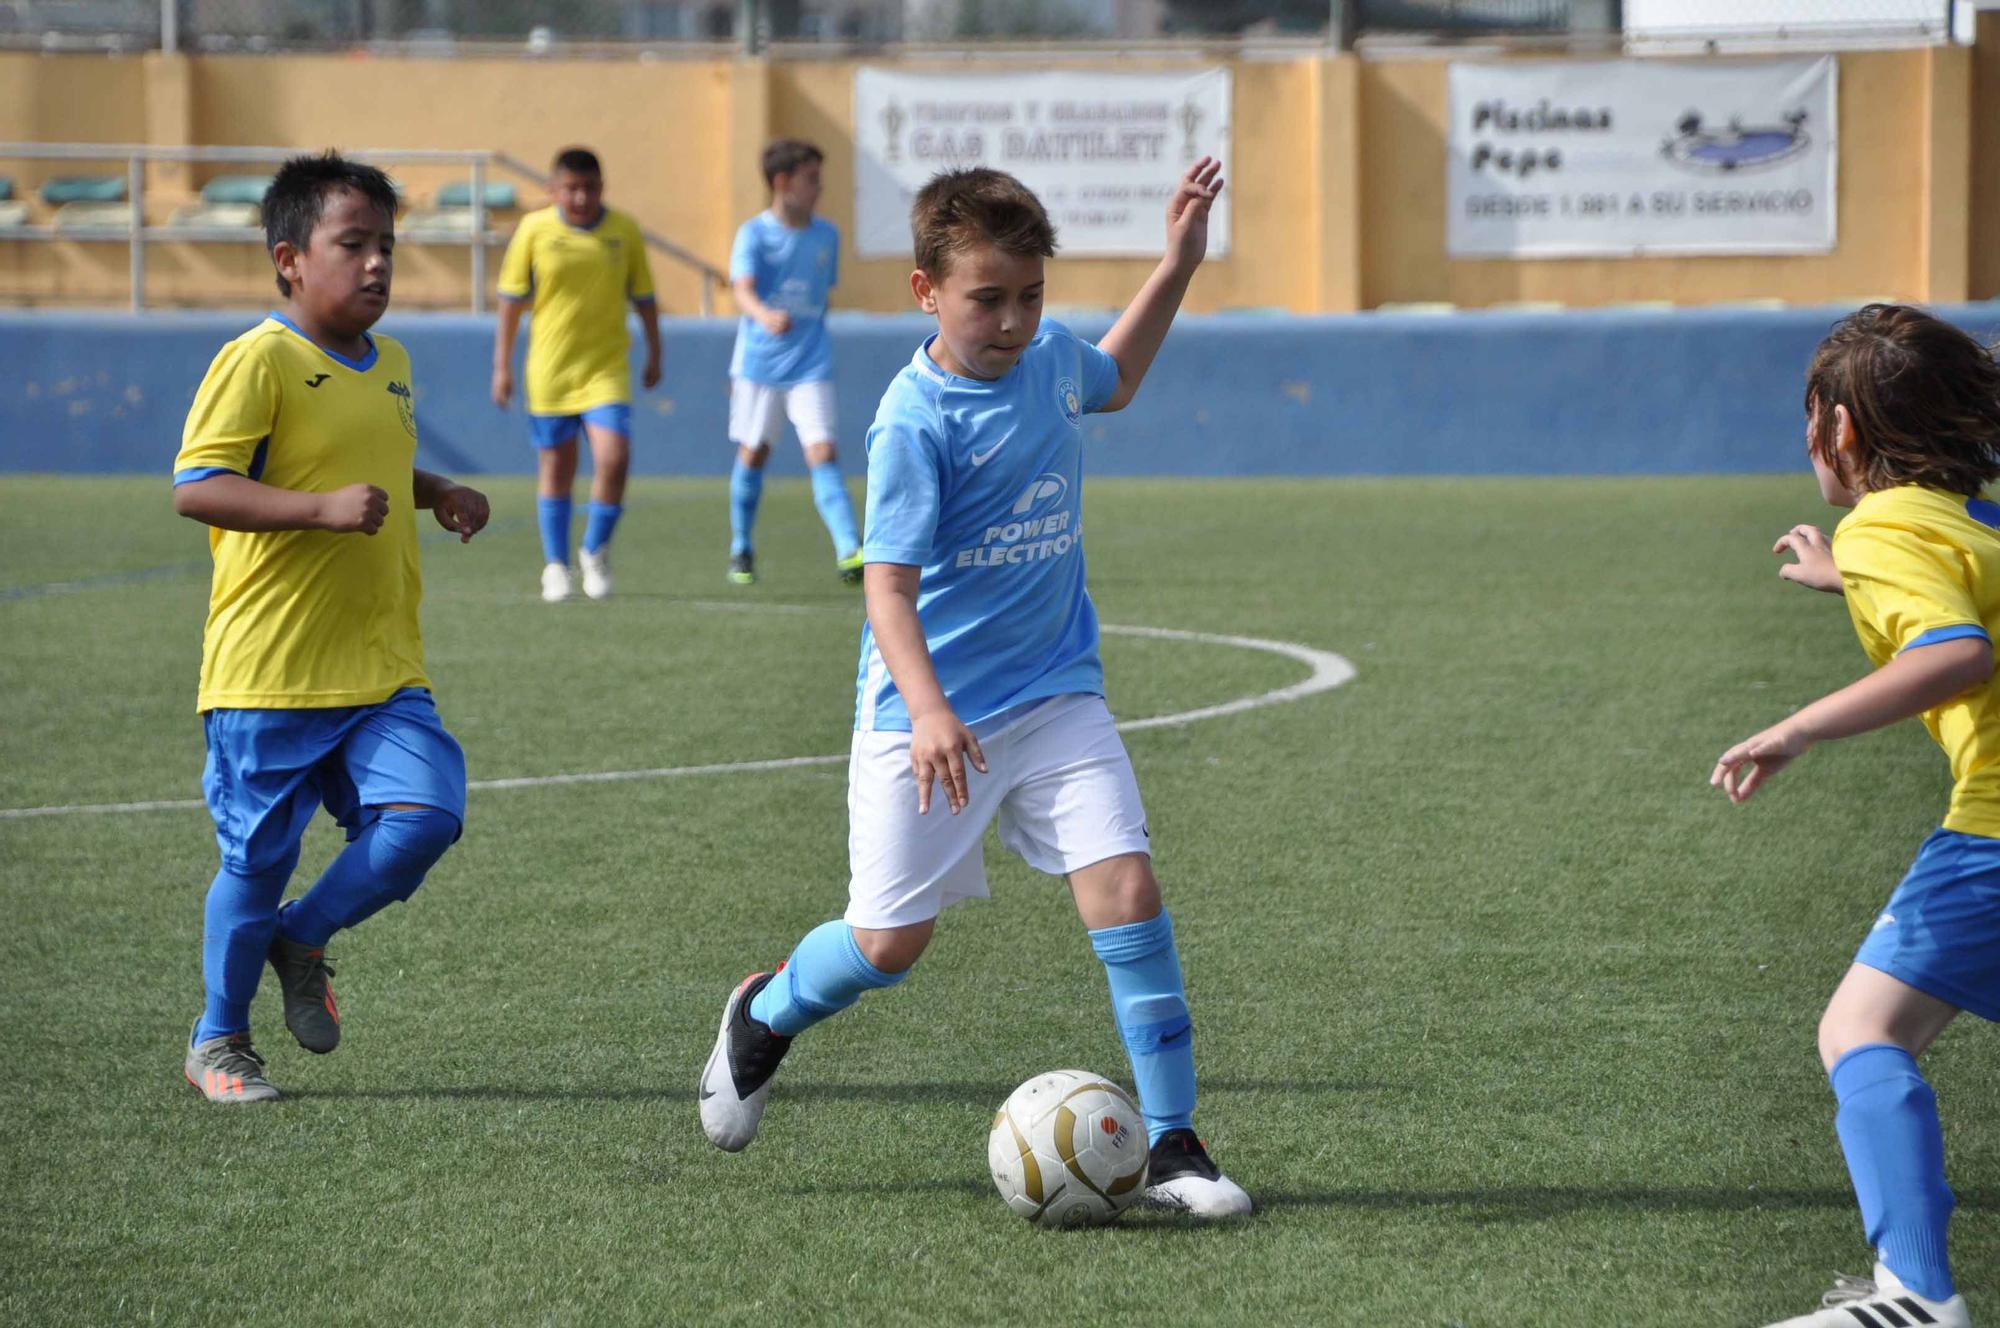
x,y
1611,392
1338,177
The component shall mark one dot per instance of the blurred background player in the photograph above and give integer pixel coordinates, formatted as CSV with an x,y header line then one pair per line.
x,y
1903,426
981,639
299,454
578,263
783,265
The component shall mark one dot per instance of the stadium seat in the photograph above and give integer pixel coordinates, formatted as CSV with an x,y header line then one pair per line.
x,y
13,215
419,224
218,216
92,216
65,189
500,197
6,187
237,189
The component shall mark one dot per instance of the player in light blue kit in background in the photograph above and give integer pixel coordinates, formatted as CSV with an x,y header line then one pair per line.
x,y
981,651
782,267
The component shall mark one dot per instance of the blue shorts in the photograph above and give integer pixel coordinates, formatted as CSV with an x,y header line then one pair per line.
x,y
1940,931
268,771
555,430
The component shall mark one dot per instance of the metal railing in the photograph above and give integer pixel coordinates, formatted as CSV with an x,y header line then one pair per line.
x,y
138,234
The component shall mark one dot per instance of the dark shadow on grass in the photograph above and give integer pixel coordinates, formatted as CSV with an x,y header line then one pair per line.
x,y
985,1095
1537,1203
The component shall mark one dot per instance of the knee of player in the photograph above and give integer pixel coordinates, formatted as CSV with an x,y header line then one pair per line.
x,y
418,836
895,950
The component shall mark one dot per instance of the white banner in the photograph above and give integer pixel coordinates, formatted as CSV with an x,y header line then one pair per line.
x,y
1103,151
1631,157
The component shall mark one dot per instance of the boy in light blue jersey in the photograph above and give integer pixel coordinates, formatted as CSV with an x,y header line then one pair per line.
x,y
981,650
783,266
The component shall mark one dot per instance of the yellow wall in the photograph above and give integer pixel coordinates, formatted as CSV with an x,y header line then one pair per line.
x,y
1337,179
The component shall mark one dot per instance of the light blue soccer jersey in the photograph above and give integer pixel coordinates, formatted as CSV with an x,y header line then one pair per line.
x,y
793,270
981,485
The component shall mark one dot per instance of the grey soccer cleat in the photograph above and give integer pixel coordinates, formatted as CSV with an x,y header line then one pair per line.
x,y
309,1009
737,1078
1180,1176
228,1069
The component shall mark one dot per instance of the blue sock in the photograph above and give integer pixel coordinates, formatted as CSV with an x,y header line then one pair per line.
x,y
382,865
241,914
1151,1006
554,516
1888,1126
603,520
825,975
830,497
746,486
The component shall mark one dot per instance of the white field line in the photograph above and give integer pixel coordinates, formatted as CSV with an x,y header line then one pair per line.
x,y
1328,672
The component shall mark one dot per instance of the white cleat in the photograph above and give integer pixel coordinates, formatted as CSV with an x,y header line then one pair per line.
x,y
555,583
1881,1302
1180,1176
737,1078
596,572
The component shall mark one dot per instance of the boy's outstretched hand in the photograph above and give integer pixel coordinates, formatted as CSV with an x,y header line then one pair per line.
x,y
1814,568
1764,754
462,511
1187,212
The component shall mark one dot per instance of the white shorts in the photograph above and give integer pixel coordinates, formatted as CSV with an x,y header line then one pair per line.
x,y
1059,780
753,412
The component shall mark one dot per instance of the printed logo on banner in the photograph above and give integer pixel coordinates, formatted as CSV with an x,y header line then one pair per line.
x,y
1736,147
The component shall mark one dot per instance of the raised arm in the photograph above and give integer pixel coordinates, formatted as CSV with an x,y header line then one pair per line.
x,y
937,739
1135,339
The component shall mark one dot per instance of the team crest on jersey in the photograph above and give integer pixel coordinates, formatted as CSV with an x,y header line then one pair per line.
x,y
406,406
1066,397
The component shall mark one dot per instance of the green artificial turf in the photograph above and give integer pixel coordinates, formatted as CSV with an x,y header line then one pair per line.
x,y
1504,1016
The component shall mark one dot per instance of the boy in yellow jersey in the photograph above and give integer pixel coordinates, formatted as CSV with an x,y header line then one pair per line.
x,y
1903,426
299,455
578,263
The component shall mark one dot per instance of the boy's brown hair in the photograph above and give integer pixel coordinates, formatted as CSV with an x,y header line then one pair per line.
x,y
785,155
958,209
1923,395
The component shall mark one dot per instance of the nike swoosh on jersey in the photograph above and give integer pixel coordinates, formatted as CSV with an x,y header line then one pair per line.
x,y
981,458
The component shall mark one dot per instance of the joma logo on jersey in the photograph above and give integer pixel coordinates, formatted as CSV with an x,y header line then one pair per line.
x,y
406,406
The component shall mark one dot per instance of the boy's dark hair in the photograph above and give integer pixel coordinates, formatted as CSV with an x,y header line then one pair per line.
x,y
298,194
1923,395
577,161
958,209
785,155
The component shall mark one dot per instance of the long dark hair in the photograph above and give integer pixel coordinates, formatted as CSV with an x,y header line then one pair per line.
x,y
1923,395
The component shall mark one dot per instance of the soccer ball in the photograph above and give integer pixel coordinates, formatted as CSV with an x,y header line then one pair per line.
x,y
1068,1149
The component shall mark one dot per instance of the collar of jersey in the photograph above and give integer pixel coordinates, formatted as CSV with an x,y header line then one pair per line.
x,y
937,373
362,365
602,213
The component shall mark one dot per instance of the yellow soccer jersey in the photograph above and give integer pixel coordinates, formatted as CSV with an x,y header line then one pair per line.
x,y
1921,566
307,619
579,280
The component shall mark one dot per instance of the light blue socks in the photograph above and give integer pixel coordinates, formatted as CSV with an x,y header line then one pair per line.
x,y
241,914
746,486
1888,1126
603,520
1151,1007
826,974
553,515
835,509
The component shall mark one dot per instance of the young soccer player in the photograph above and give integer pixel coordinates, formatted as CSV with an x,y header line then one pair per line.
x,y
781,268
578,263
299,455
981,652
1903,426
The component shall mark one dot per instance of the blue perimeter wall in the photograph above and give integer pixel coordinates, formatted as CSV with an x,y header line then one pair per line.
x,y
1614,392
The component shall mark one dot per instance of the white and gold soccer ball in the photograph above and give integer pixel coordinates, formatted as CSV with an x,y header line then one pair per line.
x,y
1068,1149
